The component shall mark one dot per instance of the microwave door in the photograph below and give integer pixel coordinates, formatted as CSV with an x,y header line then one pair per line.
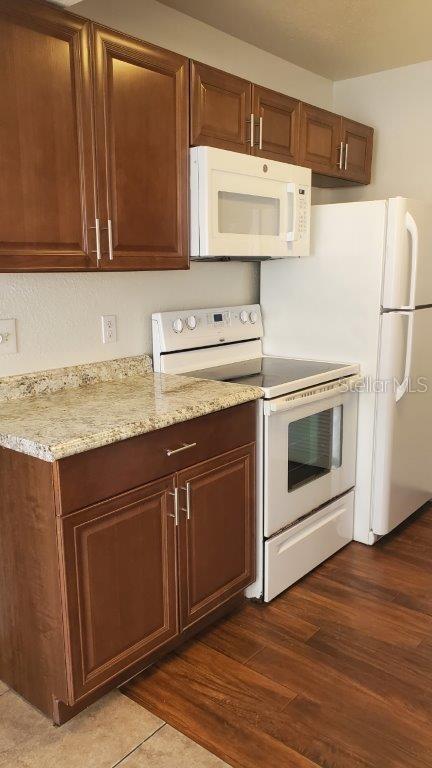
x,y
250,216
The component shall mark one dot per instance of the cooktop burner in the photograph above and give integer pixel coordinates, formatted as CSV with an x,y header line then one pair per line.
x,y
276,375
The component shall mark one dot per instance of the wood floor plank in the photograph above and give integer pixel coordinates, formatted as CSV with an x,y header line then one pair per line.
x,y
319,599
363,569
357,718
381,671
230,638
185,698
335,673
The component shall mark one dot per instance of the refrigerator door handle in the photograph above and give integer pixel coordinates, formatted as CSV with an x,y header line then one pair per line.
x,y
411,227
403,386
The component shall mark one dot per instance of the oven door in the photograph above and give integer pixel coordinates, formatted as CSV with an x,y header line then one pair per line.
x,y
309,452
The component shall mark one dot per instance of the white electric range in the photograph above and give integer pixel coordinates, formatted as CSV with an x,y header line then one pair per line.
x,y
306,434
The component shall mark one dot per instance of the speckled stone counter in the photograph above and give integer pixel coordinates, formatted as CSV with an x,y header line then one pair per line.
x,y
126,403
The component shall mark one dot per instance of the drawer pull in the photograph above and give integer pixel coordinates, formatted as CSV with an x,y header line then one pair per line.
x,y
184,447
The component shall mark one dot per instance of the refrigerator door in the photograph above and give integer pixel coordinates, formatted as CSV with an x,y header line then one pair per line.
x,y
402,479
408,263
327,307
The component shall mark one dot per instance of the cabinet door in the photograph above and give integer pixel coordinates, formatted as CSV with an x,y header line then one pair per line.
x,y
320,140
220,109
216,542
47,181
141,117
119,561
358,142
277,125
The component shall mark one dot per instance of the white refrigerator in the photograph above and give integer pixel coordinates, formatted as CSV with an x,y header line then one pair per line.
x,y
365,295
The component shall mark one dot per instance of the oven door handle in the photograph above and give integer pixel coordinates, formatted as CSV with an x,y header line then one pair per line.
x,y
297,399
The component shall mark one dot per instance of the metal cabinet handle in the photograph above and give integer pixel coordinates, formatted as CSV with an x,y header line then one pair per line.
x,y
98,247
260,132
183,447
341,155
252,126
186,488
346,155
176,506
110,241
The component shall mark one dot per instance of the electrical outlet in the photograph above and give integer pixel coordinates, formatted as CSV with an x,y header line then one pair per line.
x,y
109,328
8,340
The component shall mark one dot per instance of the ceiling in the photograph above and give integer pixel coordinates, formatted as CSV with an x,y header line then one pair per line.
x,y
335,38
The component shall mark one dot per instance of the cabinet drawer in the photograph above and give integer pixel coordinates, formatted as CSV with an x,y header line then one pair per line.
x,y
103,472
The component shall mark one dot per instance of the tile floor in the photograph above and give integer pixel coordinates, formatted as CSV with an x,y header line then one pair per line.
x,y
113,732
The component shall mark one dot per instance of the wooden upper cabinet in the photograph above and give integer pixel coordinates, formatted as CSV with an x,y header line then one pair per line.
x,y
358,141
120,583
141,118
220,109
320,142
277,119
216,533
47,203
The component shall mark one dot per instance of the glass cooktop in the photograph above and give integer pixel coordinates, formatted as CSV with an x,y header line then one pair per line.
x,y
276,375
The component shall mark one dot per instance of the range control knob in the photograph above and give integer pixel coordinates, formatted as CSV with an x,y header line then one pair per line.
x,y
178,325
244,317
253,317
191,322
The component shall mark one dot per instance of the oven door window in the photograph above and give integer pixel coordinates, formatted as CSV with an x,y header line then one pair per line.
x,y
314,446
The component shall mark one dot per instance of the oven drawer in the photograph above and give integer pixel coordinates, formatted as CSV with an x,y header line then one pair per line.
x,y
291,554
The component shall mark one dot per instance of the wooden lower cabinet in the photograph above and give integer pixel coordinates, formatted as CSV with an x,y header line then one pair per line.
x,y
120,582
105,586
216,551
121,565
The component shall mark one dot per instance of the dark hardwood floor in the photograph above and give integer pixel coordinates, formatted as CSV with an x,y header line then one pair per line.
x,y
335,672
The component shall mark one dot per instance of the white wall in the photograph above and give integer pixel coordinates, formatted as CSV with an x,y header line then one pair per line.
x,y
398,104
58,315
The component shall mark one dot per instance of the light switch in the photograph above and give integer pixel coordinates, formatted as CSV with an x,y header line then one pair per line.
x,y
8,340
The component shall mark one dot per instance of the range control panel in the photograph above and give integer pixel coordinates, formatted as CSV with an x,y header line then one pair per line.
x,y
195,328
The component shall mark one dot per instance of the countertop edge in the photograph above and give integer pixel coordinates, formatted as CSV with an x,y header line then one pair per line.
x,y
52,453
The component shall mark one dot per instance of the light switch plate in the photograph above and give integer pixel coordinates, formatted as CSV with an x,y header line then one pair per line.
x,y
8,340
109,329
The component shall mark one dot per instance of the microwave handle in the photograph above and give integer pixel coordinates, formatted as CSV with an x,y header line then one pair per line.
x,y
294,235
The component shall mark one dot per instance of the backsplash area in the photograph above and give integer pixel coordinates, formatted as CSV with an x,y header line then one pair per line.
x,y
58,316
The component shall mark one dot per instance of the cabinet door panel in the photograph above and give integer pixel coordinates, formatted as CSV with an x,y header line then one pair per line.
x,y
319,139
47,178
280,125
220,109
120,582
217,553
142,152
358,141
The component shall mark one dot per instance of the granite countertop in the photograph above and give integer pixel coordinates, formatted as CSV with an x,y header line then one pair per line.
x,y
58,413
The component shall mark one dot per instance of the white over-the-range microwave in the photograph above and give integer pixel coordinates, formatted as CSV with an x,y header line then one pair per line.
x,y
247,207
